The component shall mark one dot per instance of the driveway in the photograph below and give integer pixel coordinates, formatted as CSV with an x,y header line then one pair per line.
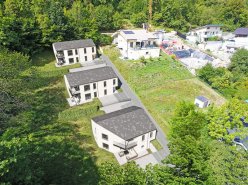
x,y
159,155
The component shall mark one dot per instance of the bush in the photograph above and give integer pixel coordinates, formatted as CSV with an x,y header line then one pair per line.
x,y
105,40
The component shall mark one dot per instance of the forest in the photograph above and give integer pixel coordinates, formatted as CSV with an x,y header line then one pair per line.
x,y
30,25
38,147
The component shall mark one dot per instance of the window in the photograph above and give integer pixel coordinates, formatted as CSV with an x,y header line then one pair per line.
x,y
106,146
143,137
87,96
76,51
131,44
77,59
147,53
104,83
105,92
93,49
69,52
85,58
114,81
95,94
151,134
86,87
206,33
104,136
85,51
94,85
208,28
71,60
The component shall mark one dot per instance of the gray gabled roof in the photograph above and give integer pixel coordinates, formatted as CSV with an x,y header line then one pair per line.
x,y
241,31
90,76
127,123
202,98
74,44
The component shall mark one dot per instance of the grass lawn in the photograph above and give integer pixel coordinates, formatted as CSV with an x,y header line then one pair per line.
x,y
156,144
161,83
77,117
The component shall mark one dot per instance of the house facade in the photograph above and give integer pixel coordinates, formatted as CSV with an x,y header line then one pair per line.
x,y
83,86
202,34
76,51
202,102
134,44
238,41
127,132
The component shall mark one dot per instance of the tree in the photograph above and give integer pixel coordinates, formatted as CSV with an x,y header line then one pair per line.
x,y
227,165
239,62
227,117
187,146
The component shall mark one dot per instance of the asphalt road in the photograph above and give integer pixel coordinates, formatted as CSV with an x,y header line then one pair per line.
x,y
161,154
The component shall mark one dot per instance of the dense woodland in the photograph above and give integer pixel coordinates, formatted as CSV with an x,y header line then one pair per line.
x,y
38,148
30,25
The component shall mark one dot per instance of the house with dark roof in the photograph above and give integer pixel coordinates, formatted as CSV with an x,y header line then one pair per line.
x,y
126,133
203,33
202,102
85,85
134,44
241,32
75,51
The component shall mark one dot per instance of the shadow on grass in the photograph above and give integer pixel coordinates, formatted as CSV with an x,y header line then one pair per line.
x,y
42,58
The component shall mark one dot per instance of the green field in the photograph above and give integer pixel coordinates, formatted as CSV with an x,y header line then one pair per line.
x,y
52,86
161,83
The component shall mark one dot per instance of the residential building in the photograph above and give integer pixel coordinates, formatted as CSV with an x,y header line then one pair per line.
x,y
83,86
202,102
71,52
134,44
203,33
126,132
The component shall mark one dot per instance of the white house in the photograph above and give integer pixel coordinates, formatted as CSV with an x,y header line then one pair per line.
x,y
126,133
203,33
83,86
134,44
240,40
71,52
202,102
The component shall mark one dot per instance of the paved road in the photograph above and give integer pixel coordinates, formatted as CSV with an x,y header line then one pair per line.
x,y
160,155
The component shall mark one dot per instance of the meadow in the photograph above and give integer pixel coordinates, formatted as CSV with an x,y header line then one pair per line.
x,y
161,84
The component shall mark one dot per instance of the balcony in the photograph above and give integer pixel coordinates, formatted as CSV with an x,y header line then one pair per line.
x,y
60,54
125,146
74,90
61,62
145,47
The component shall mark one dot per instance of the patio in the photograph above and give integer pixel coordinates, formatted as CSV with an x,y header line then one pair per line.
x,y
123,158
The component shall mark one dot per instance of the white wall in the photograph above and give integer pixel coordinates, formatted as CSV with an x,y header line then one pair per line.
x,y
147,53
99,89
200,103
80,55
199,34
141,145
134,54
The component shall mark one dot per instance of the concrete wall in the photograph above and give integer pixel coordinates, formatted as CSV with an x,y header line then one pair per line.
x,y
141,145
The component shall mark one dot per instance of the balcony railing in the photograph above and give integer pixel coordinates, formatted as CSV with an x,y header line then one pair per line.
x,y
125,146
75,91
60,55
145,47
